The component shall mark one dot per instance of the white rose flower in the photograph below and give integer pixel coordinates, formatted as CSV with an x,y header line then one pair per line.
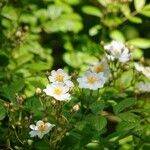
x,y
143,87
138,67
60,76
92,80
58,90
144,70
117,50
40,129
100,67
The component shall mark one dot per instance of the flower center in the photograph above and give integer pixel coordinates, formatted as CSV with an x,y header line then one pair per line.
x,y
98,68
59,77
58,91
116,53
91,80
42,127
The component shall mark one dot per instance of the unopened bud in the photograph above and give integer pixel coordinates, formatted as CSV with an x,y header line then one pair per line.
x,y
38,91
18,34
26,28
19,99
45,119
26,118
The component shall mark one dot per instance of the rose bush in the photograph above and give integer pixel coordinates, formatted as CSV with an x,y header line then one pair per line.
x,y
74,74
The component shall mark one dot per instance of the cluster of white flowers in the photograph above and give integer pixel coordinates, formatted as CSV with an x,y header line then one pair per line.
x,y
117,50
95,77
40,129
144,70
60,86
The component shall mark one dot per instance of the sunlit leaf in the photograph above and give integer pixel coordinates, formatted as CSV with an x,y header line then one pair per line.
x,y
140,43
91,10
139,4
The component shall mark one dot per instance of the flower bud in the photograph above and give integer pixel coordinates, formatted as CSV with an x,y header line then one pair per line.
x,y
38,91
18,34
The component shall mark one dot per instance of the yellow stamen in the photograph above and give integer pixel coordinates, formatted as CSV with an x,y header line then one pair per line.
x,y
98,68
58,91
42,127
60,77
92,80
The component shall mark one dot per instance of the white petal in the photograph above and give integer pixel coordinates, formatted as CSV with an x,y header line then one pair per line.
x,y
53,73
32,126
66,96
51,79
33,133
65,89
40,135
69,83
40,122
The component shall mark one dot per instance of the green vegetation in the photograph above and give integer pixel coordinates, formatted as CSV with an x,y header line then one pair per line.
x,y
38,36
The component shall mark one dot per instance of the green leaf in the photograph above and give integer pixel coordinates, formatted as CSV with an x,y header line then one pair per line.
x,y
140,43
10,91
146,11
97,106
66,22
125,80
94,30
139,4
97,122
117,35
2,111
135,19
129,117
126,10
123,105
91,10
33,104
39,66
126,126
137,53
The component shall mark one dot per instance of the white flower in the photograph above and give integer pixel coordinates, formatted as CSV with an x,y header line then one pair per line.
x,y
117,50
60,76
92,80
138,67
143,87
100,67
144,70
40,129
58,90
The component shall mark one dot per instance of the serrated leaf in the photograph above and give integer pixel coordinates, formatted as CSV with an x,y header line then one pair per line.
x,y
97,106
123,105
129,117
126,126
139,4
97,122
91,10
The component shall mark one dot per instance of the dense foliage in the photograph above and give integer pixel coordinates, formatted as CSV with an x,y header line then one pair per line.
x,y
37,36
